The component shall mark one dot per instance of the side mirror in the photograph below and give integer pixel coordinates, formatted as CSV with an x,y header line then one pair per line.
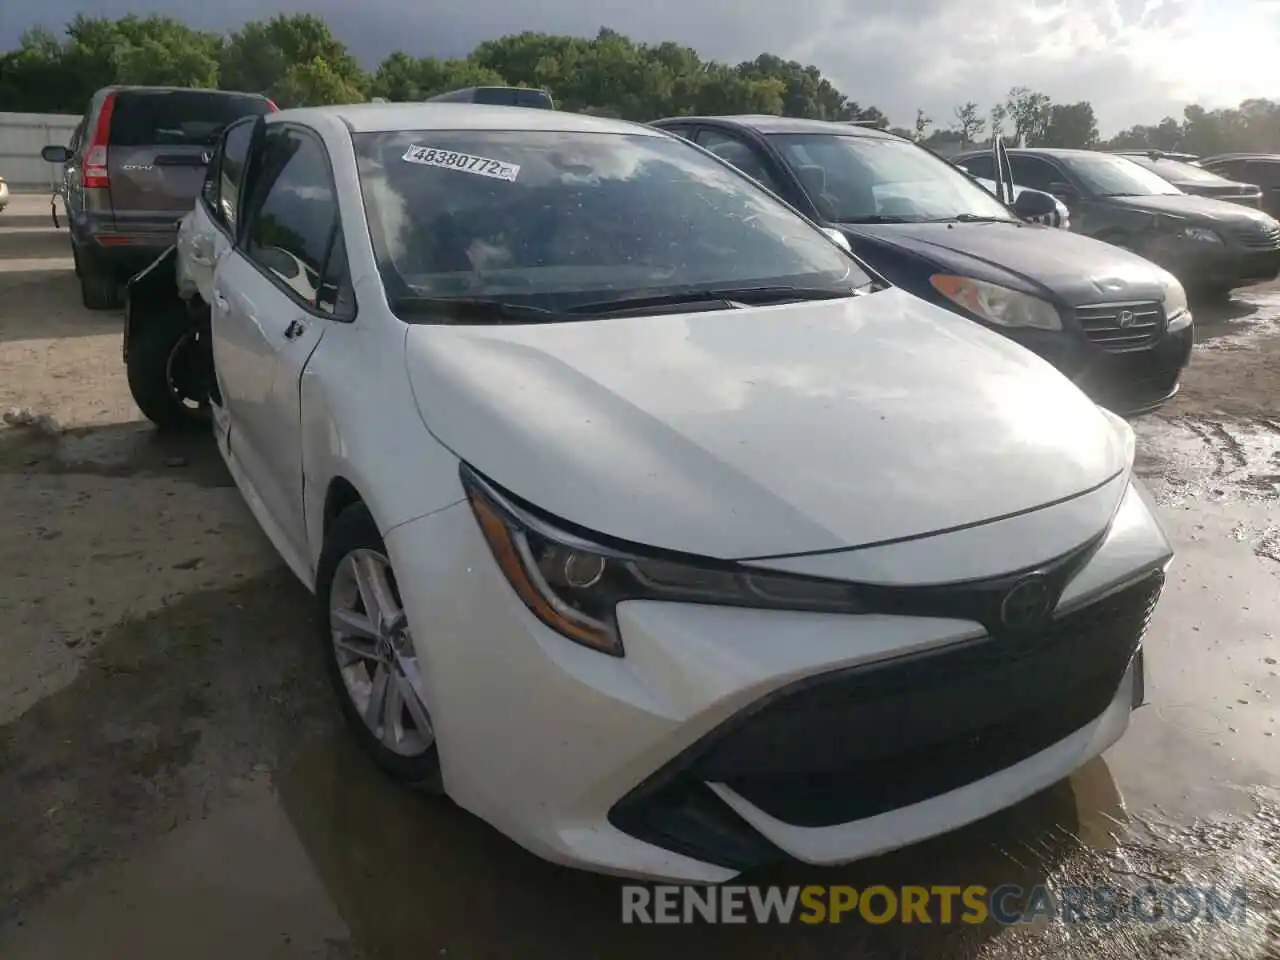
x,y
839,238
1064,192
55,154
1036,207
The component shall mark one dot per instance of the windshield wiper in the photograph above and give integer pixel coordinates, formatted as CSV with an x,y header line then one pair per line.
x,y
729,296
472,308
973,218
878,218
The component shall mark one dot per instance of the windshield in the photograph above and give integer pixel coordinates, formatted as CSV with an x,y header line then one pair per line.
x,y
853,179
1111,176
556,220
1178,172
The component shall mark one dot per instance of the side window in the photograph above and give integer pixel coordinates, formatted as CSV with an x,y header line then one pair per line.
x,y
1231,169
1035,173
336,296
684,131
734,151
295,212
235,152
980,166
76,136
1264,173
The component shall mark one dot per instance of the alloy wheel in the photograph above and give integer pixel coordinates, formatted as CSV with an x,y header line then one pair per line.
x,y
375,653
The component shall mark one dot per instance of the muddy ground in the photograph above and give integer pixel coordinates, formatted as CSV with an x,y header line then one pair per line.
x,y
174,781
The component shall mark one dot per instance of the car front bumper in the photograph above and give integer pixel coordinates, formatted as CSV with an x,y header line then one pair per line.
x,y
725,737
1218,266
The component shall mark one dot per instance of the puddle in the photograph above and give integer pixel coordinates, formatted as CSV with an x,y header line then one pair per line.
x,y
113,450
1197,456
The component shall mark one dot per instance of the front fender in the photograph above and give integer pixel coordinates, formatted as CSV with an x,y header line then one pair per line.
x,y
360,422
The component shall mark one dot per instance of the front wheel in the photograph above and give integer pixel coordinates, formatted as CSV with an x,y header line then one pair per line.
x,y
166,373
369,650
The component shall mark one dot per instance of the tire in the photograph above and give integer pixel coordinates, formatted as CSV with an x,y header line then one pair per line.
x,y
406,754
99,288
159,349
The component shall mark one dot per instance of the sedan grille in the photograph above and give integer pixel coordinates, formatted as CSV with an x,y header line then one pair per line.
x,y
1258,236
1121,326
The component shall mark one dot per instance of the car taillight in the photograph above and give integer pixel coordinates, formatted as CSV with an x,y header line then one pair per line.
x,y
94,173
272,105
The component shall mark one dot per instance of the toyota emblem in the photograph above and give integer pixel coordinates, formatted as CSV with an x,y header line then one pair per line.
x,y
1125,318
1025,604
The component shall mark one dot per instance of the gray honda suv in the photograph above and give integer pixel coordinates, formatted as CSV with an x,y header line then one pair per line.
x,y
134,167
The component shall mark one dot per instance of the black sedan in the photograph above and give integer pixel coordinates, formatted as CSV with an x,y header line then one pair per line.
x,y
1210,245
1115,323
1195,180
1260,168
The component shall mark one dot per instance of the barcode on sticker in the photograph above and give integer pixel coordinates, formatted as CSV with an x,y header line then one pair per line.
x,y
466,162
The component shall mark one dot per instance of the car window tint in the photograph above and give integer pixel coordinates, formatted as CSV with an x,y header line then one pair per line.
x,y
1264,173
76,136
335,296
741,155
1034,173
291,228
235,151
980,166
178,117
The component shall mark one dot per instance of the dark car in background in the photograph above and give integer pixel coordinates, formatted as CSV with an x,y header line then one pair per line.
x,y
134,167
498,96
1195,180
1210,245
1262,169
1115,323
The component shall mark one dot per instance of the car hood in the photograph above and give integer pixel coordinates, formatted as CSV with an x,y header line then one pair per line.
x,y
766,431
1075,268
1199,209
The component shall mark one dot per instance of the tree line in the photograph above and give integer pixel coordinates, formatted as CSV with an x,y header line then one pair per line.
x,y
297,61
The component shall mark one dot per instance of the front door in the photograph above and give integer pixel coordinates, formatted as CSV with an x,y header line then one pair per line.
x,y
267,322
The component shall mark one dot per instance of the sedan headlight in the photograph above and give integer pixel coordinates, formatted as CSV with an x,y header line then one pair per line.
x,y
1177,313
1201,235
997,304
573,584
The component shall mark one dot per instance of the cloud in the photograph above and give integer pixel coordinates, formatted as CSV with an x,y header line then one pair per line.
x,y
1135,60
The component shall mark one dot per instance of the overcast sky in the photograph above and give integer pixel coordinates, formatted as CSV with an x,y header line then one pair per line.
x,y
1136,60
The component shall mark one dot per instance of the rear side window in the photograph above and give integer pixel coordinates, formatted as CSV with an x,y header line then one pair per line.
x,y
1264,173
292,228
178,117
980,166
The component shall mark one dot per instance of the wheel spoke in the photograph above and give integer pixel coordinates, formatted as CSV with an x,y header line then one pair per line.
x,y
360,649
371,579
348,623
373,712
393,708
416,710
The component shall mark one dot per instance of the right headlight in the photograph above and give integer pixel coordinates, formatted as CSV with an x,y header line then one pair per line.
x,y
573,584
996,304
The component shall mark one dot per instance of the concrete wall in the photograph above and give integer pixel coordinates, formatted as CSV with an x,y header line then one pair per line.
x,y
22,135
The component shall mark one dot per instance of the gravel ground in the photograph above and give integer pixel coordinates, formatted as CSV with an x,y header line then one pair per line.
x,y
174,781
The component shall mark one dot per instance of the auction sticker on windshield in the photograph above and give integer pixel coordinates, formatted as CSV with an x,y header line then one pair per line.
x,y
466,162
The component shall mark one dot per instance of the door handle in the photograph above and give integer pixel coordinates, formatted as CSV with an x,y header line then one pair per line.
x,y
295,329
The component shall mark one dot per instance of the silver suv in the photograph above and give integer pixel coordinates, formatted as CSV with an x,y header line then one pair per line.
x,y
134,166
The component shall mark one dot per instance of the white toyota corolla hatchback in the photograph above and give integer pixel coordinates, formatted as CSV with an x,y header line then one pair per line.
x,y
642,521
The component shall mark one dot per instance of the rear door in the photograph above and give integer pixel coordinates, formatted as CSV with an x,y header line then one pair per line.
x,y
159,144
1266,174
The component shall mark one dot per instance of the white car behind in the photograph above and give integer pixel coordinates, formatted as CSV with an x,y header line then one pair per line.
x,y
640,519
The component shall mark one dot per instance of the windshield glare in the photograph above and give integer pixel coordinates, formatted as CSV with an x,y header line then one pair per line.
x,y
852,179
554,219
1176,170
1110,176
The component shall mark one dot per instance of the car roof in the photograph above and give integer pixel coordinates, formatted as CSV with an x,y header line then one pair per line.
x,y
140,88
390,117
1241,156
766,123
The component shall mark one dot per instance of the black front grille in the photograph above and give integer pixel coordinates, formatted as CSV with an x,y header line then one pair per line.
x,y
1121,326
853,744
1257,236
